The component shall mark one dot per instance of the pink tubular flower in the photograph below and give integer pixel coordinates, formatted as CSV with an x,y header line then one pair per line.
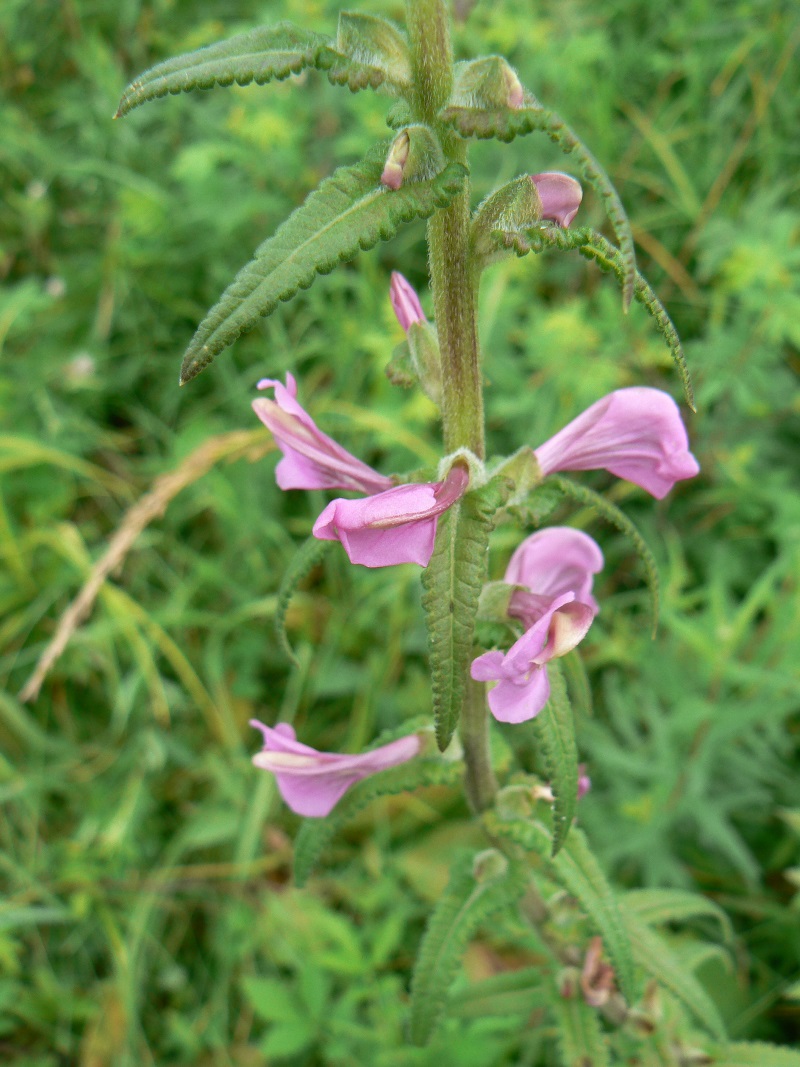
x,y
311,459
635,433
557,566
405,301
396,526
560,195
312,782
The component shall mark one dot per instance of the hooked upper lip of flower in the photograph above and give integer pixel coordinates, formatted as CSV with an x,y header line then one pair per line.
x,y
313,782
406,303
557,566
635,433
560,195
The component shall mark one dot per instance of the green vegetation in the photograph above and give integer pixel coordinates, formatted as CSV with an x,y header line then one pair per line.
x,y
148,911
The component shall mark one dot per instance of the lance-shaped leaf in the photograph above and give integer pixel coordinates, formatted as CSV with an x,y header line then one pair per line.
x,y
478,887
659,906
554,729
654,956
261,55
576,869
593,246
305,559
612,514
452,582
507,123
581,1041
316,834
754,1054
349,212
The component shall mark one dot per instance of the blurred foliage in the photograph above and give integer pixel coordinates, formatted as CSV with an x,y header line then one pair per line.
x,y
146,915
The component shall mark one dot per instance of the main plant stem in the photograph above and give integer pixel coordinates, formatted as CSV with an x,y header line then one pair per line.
x,y
454,308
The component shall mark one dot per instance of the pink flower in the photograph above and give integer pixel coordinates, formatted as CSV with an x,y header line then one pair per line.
x,y
557,566
312,782
311,459
635,433
405,301
584,781
560,195
396,526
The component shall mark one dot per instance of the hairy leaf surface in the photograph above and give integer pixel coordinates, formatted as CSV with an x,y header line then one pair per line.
x,y
657,906
507,123
581,1041
452,582
349,212
305,559
511,993
467,902
261,55
755,1054
554,728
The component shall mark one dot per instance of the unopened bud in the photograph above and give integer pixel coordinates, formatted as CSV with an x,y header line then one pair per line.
x,y
396,161
489,865
597,977
405,301
560,196
515,97
584,781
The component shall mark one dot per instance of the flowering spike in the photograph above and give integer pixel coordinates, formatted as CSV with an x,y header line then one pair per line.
x,y
635,433
313,782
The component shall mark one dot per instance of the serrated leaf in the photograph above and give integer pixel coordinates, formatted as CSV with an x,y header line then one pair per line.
x,y
261,55
581,1041
654,956
349,212
554,728
375,44
576,869
507,123
578,684
452,582
611,513
511,993
593,246
465,904
316,834
657,906
755,1054
310,553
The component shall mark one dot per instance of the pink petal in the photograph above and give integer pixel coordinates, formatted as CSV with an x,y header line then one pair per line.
x,y
635,433
560,195
311,459
556,560
396,526
405,301
312,782
512,702
568,627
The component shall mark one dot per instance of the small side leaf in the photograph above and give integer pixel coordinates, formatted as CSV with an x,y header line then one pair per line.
x,y
377,53
554,729
261,55
654,956
305,559
581,1041
593,246
579,872
467,902
316,834
611,513
507,123
349,212
452,582
754,1054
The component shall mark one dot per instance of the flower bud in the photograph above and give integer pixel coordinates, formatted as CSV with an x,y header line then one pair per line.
x,y
560,195
393,168
405,301
489,865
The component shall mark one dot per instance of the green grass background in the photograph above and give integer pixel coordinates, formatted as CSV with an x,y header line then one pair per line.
x,y
147,913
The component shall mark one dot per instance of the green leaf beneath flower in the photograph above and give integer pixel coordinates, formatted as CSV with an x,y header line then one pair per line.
x,y
350,212
554,728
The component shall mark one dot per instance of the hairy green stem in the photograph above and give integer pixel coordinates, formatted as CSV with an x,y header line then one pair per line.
x,y
454,306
